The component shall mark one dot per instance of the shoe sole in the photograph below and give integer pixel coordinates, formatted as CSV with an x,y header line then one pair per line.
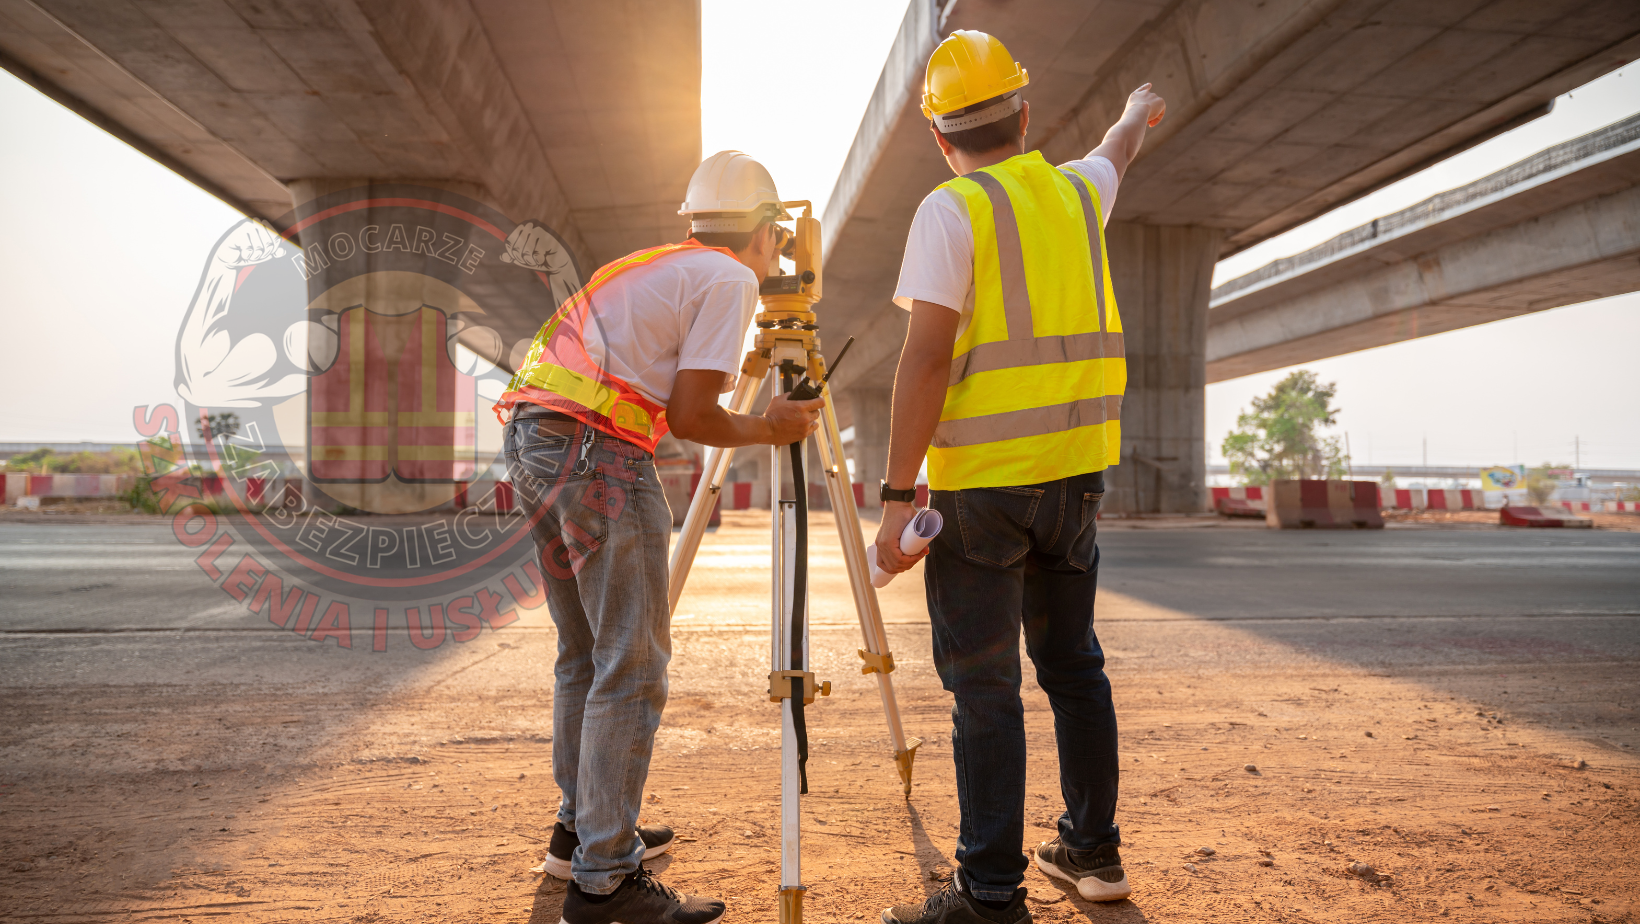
x,y
715,920
553,866
1091,888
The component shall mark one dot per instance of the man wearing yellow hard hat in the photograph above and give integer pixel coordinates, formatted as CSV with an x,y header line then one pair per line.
x,y
1010,384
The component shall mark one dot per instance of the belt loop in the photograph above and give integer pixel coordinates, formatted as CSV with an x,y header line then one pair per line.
x,y
584,464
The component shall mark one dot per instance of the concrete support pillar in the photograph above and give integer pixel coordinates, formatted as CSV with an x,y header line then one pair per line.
x,y
387,291
1163,276
871,407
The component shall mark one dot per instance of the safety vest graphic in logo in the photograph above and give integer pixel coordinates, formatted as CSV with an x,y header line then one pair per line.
x,y
393,403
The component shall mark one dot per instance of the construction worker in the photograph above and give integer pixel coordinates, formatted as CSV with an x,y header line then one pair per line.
x,y
645,346
1011,382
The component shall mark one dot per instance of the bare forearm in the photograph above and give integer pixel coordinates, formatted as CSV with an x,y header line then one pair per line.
x,y
919,390
919,396
1121,144
719,427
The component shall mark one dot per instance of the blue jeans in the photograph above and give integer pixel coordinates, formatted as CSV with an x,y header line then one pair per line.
x,y
601,526
1007,558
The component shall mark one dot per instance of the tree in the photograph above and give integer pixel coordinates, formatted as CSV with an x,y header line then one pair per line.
x,y
1387,480
1278,438
1540,485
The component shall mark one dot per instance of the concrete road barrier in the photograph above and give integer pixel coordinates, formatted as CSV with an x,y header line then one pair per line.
x,y
1239,507
1316,504
1542,517
1456,500
1404,499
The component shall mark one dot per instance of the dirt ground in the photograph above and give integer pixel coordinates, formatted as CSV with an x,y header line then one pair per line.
x,y
258,777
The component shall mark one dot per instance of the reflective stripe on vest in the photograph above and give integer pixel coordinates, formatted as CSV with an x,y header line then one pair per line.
x,y
1035,386
559,374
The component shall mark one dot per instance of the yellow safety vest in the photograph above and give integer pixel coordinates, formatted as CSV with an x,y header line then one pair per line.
x,y
1035,390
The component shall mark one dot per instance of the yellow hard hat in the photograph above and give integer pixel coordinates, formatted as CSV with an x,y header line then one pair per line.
x,y
968,68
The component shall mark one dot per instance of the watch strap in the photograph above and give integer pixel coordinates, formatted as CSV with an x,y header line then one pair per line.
x,y
886,493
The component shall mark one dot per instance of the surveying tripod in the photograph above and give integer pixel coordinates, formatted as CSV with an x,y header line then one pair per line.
x,y
788,343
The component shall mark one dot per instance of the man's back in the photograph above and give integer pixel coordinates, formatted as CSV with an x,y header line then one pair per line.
x,y
688,309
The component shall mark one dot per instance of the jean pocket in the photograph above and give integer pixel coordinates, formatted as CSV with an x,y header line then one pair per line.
x,y
1085,548
996,523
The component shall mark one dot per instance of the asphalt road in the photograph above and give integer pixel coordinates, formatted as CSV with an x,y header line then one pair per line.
x,y
124,577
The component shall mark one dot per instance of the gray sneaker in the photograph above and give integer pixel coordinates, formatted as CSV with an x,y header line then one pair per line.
x,y
1097,874
953,905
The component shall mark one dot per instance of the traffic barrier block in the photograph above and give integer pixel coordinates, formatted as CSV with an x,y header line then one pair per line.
x,y
1248,493
1542,517
1317,504
1404,499
1239,507
1622,507
1457,500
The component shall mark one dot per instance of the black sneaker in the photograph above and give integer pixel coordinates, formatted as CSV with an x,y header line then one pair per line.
x,y
640,899
657,839
1097,873
953,905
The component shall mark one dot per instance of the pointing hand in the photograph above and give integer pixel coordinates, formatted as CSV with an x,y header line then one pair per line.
x,y
1155,106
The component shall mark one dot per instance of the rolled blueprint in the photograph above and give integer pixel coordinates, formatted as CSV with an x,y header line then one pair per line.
x,y
918,533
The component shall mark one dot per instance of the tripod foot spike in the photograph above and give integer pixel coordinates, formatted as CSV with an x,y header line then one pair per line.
x,y
904,760
791,905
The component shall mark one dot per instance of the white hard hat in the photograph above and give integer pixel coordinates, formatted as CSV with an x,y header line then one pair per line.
x,y
731,192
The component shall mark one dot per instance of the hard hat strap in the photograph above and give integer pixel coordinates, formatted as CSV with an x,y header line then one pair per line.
x,y
1005,106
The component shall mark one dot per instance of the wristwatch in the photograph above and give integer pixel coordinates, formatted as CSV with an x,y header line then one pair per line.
x,y
886,493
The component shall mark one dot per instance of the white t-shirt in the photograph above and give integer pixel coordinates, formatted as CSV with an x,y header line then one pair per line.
x,y
939,252
687,310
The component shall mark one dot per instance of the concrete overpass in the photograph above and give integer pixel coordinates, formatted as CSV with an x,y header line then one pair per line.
x,y
1558,228
583,115
1277,112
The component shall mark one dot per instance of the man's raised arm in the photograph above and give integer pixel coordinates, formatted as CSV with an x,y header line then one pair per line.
x,y
1121,145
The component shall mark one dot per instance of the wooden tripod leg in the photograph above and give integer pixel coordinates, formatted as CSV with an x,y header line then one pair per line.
x,y
878,660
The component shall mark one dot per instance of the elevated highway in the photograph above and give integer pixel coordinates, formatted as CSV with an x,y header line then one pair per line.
x,y
1558,228
583,115
1277,112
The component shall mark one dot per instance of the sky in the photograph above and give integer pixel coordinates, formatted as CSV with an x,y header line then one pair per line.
x,y
102,249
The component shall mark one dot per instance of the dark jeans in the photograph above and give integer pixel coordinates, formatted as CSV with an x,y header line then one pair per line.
x,y
1011,557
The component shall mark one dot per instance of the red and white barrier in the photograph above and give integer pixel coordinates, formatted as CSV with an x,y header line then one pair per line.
x,y
1237,507
1542,517
1622,507
19,485
1316,504
1456,500
1404,498
1250,493
1575,506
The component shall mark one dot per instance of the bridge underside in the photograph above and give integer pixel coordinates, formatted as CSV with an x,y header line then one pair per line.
x,y
1277,112
1502,246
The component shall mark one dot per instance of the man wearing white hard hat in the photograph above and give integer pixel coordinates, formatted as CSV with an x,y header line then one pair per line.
x,y
645,347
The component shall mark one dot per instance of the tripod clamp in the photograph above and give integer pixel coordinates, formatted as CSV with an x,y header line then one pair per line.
x,y
780,686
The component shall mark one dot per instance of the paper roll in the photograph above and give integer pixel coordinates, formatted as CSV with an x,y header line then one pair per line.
x,y
918,533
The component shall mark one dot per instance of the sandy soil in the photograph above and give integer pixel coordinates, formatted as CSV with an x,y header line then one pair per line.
x,y
266,779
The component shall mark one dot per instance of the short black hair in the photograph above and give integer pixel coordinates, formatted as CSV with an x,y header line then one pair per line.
x,y
983,138
732,240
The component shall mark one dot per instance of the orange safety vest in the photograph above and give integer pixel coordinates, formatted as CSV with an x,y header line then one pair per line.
x,y
560,375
